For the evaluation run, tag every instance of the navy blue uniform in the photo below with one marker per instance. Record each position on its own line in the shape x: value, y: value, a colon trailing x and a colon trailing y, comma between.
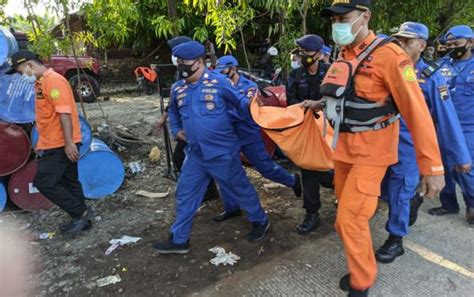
x: 201, y: 110
x: 401, y: 180
x: 252, y: 146
x: 460, y: 77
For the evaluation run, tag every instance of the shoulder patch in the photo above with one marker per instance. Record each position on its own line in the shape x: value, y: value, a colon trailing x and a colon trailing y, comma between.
x: 409, y: 73
x: 443, y: 92
x: 55, y: 94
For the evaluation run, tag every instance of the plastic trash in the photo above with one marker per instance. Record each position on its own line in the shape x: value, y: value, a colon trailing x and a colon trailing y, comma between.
x: 46, y: 235
x: 109, y: 280
x: 222, y: 257
x: 152, y: 195
x: 155, y: 154
x: 135, y: 167
x: 124, y: 240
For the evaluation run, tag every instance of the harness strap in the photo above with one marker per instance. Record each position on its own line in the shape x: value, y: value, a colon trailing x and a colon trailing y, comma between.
x: 377, y: 126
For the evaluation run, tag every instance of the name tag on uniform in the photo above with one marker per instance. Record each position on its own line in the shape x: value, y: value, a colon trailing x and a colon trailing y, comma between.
x: 210, y: 91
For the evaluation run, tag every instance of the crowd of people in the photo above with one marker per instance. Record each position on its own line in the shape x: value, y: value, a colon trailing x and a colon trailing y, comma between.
x: 403, y: 128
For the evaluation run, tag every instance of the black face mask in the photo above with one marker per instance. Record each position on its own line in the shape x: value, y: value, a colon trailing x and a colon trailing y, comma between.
x: 457, y: 52
x: 185, y: 71
x: 229, y: 74
x: 307, y: 61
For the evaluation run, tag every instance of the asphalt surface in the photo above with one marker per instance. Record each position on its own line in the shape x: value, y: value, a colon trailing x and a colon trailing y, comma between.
x: 438, y: 261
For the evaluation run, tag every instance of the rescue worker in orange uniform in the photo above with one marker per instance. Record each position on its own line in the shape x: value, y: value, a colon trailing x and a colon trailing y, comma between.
x: 59, y: 133
x: 363, y: 112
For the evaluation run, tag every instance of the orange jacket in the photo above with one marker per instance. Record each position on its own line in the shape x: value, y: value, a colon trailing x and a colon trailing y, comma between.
x: 388, y: 70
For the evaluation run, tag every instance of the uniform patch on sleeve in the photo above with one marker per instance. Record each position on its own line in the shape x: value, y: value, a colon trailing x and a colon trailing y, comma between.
x: 443, y: 92
x: 409, y: 73
x: 55, y: 94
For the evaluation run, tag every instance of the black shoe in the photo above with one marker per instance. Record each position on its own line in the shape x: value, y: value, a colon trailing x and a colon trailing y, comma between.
x: 390, y: 250
x: 310, y: 223
x: 470, y: 215
x: 258, y: 231
x: 344, y: 285
x: 297, y: 189
x: 224, y: 216
x: 415, y: 204
x: 168, y: 247
x: 440, y: 211
x: 80, y: 224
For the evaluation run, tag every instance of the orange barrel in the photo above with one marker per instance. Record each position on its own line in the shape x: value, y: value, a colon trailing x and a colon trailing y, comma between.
x: 22, y: 192
x: 15, y: 148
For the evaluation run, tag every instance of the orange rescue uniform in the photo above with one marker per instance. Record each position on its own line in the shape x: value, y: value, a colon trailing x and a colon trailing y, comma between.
x: 53, y: 97
x: 361, y: 159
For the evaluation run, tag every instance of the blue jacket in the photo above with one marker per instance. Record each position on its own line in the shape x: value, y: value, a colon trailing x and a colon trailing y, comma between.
x: 201, y: 110
x: 460, y: 77
x: 450, y: 137
x: 246, y: 128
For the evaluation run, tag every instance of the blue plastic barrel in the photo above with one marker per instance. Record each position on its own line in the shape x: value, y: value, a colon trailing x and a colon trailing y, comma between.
x: 101, y: 171
x: 17, y: 99
x: 3, y: 195
x: 86, y: 140
x: 8, y: 44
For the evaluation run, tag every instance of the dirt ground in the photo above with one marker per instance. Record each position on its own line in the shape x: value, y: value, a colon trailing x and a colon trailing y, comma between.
x: 71, y: 266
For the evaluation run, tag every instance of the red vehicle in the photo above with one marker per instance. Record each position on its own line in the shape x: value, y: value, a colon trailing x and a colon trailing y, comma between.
x: 66, y: 66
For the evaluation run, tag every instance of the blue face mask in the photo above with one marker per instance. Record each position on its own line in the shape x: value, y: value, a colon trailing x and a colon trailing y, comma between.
x: 31, y: 79
x: 342, y: 32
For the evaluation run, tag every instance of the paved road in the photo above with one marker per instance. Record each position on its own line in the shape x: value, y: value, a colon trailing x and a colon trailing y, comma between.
x: 438, y: 261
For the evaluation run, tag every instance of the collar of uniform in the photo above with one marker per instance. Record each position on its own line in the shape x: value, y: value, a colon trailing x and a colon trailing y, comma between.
x: 205, y: 75
x: 46, y: 73
x: 420, y: 65
x: 360, y: 47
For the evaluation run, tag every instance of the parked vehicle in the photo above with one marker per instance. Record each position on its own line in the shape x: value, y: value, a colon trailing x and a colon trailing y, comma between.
x: 88, y: 74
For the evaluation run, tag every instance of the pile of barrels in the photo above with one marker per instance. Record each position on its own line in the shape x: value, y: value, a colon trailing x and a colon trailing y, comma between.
x: 101, y: 171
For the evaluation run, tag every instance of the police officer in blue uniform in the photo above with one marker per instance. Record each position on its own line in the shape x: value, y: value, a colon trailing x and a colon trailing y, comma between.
x: 304, y: 84
x: 198, y: 114
x: 250, y: 138
x: 178, y: 154
x: 459, y: 72
x: 401, y: 180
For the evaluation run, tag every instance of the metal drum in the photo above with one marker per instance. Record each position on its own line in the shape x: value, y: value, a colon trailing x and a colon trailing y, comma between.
x: 8, y: 45
x: 15, y: 148
x: 101, y: 171
x: 3, y: 195
x: 17, y: 99
x: 22, y: 192
x: 86, y: 133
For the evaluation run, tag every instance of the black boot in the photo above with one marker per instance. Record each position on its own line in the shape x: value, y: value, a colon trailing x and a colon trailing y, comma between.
x: 297, y: 189
x: 168, y: 247
x: 224, y: 216
x: 258, y: 231
x: 390, y: 250
x: 310, y: 223
x: 470, y: 215
x: 344, y: 284
x: 440, y: 211
x: 415, y: 204
x: 79, y: 224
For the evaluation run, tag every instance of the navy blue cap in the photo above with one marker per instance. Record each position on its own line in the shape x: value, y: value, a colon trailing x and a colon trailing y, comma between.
x: 20, y: 57
x: 413, y: 30
x: 459, y: 32
x: 177, y: 41
x: 327, y: 50
x: 190, y: 50
x: 226, y: 61
x: 345, y: 6
x: 310, y: 42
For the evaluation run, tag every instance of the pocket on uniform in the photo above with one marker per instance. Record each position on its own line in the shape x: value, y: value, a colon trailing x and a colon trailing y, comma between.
x: 368, y: 187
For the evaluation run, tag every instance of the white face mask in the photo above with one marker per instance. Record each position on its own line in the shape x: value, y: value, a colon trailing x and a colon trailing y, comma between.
x: 295, y: 64
x: 174, y: 60
x: 342, y: 32
x: 31, y: 79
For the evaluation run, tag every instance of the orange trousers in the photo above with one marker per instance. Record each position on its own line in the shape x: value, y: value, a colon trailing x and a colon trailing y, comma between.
x: 357, y: 189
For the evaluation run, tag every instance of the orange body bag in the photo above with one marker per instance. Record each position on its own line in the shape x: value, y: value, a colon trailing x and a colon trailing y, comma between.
x: 298, y: 133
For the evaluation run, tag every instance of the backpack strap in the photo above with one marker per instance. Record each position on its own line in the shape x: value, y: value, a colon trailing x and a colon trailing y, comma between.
x: 432, y: 68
